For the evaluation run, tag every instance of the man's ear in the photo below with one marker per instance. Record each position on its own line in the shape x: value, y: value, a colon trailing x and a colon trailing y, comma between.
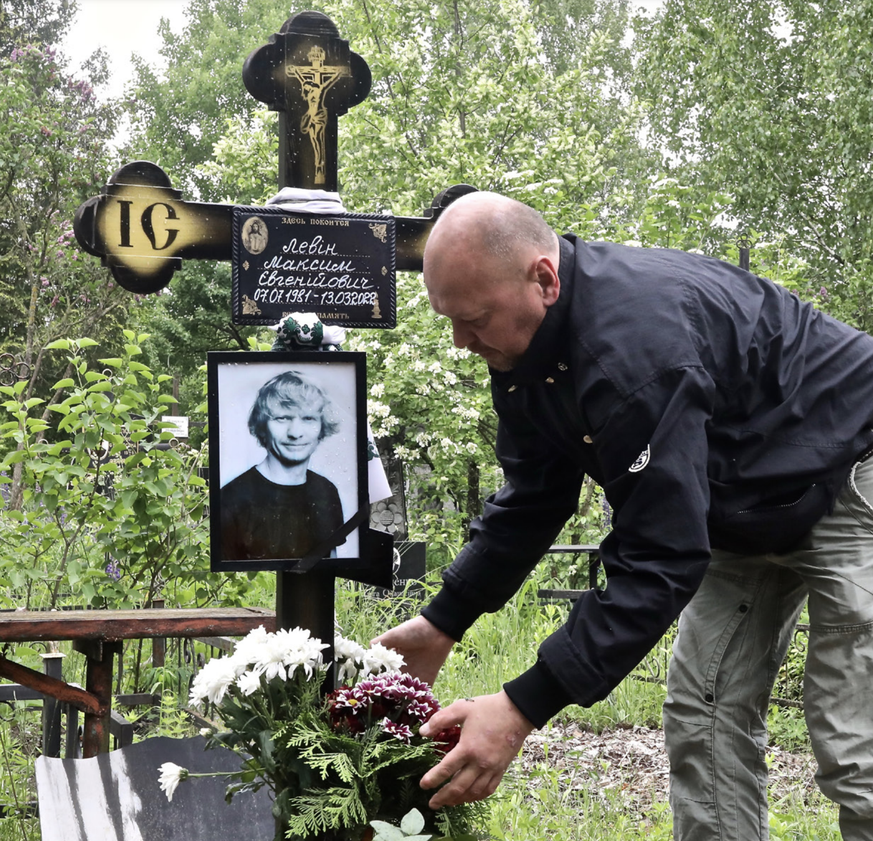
x: 546, y: 275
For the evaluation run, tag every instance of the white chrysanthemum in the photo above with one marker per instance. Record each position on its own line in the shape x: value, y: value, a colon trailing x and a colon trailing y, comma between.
x: 269, y: 659
x: 244, y: 650
x: 281, y: 653
x: 212, y: 680
x: 249, y: 683
x: 307, y: 656
x: 171, y: 776
x: 379, y: 659
x: 349, y: 657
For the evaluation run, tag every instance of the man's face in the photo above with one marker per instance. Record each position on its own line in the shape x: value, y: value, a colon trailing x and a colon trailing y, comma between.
x: 495, y: 319
x: 294, y: 433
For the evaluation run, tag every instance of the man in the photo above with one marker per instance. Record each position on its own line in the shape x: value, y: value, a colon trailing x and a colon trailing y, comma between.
x: 280, y: 509
x: 727, y: 423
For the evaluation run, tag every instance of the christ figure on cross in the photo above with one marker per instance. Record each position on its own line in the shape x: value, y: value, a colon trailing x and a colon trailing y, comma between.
x: 316, y: 80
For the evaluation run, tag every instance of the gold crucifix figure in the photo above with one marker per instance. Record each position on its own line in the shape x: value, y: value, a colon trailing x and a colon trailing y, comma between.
x: 316, y: 79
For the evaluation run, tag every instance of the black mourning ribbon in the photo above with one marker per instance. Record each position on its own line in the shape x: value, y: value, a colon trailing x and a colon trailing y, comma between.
x: 321, y: 551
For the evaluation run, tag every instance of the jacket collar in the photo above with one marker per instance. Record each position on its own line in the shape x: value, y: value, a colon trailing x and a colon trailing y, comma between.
x: 547, y: 349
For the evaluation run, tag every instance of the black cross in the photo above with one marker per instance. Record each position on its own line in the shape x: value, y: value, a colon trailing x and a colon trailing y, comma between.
x: 142, y: 229
x: 310, y: 76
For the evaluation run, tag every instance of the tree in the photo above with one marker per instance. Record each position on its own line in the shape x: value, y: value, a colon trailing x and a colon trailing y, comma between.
x: 42, y: 22
x: 53, y: 154
x: 179, y: 115
x: 771, y: 104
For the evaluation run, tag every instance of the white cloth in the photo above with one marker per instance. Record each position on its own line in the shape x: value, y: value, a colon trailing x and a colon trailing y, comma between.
x: 307, y: 201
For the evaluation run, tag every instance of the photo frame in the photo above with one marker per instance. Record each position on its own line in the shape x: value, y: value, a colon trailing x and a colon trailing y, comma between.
x: 288, y: 461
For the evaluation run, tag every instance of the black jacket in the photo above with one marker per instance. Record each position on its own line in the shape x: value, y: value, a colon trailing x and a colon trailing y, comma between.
x: 715, y: 409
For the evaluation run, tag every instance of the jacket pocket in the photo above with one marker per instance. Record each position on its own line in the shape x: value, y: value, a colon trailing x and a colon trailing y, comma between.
x: 774, y: 524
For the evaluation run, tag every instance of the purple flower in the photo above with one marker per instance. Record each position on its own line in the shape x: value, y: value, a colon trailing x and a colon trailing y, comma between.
x: 112, y: 570
x: 400, y: 698
x: 399, y: 731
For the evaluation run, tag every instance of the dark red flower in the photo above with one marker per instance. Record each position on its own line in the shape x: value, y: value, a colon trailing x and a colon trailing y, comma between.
x: 447, y: 740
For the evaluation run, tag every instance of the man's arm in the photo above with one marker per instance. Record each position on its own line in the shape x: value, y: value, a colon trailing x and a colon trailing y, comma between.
x: 655, y: 559
x: 517, y: 526
x: 424, y: 647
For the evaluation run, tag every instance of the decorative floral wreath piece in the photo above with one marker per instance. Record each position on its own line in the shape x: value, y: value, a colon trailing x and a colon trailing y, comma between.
x: 304, y: 331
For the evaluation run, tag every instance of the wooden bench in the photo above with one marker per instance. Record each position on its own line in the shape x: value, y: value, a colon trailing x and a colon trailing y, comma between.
x: 98, y: 634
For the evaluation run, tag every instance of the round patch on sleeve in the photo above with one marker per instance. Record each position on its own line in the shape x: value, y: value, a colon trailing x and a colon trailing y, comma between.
x: 641, y: 461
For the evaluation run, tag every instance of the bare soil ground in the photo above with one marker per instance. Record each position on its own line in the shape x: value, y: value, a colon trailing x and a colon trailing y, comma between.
x: 633, y: 761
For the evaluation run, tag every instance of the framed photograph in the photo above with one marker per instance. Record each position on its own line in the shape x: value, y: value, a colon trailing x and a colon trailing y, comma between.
x: 287, y: 460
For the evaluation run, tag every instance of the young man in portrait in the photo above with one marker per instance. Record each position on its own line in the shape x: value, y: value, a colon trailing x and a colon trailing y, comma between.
x: 279, y: 508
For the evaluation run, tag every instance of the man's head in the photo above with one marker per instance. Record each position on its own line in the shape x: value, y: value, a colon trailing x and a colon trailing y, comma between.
x: 491, y: 267
x: 290, y: 416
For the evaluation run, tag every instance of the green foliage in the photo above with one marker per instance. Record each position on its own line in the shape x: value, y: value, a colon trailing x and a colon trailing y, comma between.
x: 34, y: 22
x: 468, y: 97
x: 361, y: 779
x: 548, y: 802
x: 410, y: 829
x: 53, y: 152
x: 791, y: 819
x: 178, y: 116
x: 770, y: 103
x: 111, y: 514
x: 19, y: 746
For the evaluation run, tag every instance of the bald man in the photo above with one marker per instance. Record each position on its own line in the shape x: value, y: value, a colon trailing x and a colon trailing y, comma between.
x: 728, y: 424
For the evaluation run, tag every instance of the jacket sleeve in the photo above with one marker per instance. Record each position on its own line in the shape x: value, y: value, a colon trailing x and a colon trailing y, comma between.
x: 654, y: 453
x: 518, y: 525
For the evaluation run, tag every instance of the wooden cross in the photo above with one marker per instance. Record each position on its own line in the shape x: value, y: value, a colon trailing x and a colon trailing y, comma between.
x: 142, y: 229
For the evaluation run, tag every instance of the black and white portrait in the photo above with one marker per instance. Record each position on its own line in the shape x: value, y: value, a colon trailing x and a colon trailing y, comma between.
x: 289, y: 464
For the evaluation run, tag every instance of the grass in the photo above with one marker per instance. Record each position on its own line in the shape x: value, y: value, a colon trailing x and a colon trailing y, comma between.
x: 539, y: 803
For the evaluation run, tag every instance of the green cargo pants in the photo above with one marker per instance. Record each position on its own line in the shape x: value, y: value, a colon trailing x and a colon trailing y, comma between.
x: 732, y: 638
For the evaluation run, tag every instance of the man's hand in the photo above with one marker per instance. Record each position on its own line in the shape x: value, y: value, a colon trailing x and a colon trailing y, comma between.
x: 492, y: 733
x: 422, y: 644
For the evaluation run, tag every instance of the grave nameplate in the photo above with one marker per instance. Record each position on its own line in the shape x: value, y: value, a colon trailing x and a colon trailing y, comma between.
x: 340, y: 267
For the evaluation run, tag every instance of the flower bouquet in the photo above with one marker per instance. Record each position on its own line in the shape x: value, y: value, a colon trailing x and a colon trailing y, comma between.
x: 341, y: 765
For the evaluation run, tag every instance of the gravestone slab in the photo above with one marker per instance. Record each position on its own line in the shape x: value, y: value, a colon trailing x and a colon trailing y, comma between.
x: 115, y: 796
